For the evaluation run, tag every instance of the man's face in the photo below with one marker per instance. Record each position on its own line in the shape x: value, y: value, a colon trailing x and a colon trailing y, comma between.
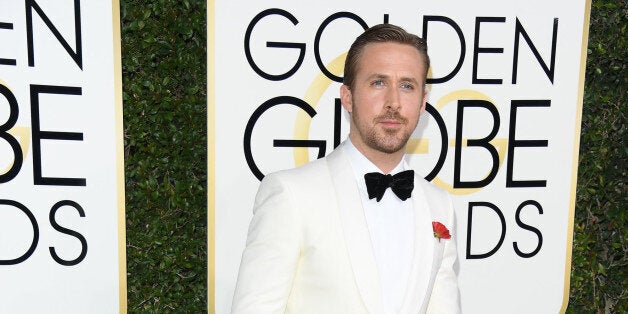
x: 387, y: 98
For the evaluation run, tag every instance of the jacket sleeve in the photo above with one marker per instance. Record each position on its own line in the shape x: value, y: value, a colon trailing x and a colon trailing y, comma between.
x: 271, y: 254
x: 445, y: 296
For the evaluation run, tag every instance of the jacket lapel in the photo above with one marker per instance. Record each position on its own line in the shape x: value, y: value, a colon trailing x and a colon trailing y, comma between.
x: 355, y: 229
x: 423, y: 265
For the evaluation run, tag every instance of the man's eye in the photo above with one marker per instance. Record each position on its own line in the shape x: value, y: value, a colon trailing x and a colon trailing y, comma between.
x: 377, y: 83
x: 407, y: 86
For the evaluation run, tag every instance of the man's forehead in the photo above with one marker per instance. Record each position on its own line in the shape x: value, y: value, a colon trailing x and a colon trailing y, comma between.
x: 383, y: 49
x: 380, y: 49
x: 384, y: 76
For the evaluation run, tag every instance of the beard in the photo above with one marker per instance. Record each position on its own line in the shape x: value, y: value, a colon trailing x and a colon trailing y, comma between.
x: 383, y: 139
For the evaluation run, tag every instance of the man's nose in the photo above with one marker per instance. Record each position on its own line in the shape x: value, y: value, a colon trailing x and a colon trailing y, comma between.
x: 393, y: 99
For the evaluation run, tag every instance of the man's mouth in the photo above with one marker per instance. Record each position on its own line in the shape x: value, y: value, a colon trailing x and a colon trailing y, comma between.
x: 391, y: 119
x: 390, y: 122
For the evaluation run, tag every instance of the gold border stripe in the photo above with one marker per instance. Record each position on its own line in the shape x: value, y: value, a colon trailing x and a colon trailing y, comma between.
x: 576, y: 148
x: 211, y: 161
x: 117, y: 87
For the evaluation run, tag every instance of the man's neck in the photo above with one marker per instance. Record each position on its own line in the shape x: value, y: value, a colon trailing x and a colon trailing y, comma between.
x: 386, y: 162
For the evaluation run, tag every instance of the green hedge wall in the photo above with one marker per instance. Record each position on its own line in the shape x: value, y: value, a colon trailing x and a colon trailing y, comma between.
x: 164, y: 77
x: 164, y: 90
x: 598, y: 277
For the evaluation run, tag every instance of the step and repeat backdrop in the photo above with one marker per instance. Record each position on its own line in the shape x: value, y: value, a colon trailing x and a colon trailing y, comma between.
x: 62, y: 236
x: 500, y: 133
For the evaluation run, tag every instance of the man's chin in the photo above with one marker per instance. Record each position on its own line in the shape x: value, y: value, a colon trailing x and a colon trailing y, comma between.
x: 389, y: 148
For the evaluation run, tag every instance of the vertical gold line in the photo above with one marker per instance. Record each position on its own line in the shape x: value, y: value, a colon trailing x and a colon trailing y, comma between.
x: 211, y: 173
x: 117, y: 87
x: 576, y: 148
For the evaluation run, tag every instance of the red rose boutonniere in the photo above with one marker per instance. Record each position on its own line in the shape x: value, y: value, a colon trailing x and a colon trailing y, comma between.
x: 440, y: 231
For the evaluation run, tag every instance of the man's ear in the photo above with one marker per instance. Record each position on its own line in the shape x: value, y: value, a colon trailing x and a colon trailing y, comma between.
x: 346, y: 98
x: 424, y: 101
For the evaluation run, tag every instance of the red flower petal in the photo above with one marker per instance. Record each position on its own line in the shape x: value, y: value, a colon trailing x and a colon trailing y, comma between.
x: 440, y: 231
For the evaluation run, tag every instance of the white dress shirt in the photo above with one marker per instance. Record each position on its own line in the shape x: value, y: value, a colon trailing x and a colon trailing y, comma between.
x: 391, y: 226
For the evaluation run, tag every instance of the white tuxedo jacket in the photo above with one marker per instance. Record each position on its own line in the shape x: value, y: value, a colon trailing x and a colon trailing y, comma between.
x: 308, y: 248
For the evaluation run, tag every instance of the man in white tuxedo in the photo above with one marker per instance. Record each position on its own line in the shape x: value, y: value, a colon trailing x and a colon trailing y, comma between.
x: 322, y: 240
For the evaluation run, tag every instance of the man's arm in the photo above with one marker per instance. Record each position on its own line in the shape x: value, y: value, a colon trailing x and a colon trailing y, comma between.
x: 272, y: 249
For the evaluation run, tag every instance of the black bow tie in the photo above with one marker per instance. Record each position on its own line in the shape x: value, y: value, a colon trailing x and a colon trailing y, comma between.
x: 401, y: 184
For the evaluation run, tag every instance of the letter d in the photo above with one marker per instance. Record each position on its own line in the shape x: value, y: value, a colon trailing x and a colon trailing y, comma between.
x: 470, y: 223
x: 31, y: 249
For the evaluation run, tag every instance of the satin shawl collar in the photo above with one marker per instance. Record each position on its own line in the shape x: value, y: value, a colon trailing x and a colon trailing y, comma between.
x: 424, y: 265
x: 355, y: 230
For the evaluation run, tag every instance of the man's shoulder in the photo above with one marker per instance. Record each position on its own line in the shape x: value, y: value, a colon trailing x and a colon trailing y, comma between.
x: 310, y: 169
x: 316, y: 168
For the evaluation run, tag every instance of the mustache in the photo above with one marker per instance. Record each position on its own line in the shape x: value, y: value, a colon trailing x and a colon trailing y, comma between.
x: 391, y: 115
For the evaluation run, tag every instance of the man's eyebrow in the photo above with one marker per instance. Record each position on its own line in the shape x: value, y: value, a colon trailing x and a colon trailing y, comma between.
x: 405, y: 79
x: 378, y: 76
x: 410, y: 80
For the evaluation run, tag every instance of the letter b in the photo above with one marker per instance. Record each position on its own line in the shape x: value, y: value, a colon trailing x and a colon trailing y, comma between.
x: 4, y: 128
